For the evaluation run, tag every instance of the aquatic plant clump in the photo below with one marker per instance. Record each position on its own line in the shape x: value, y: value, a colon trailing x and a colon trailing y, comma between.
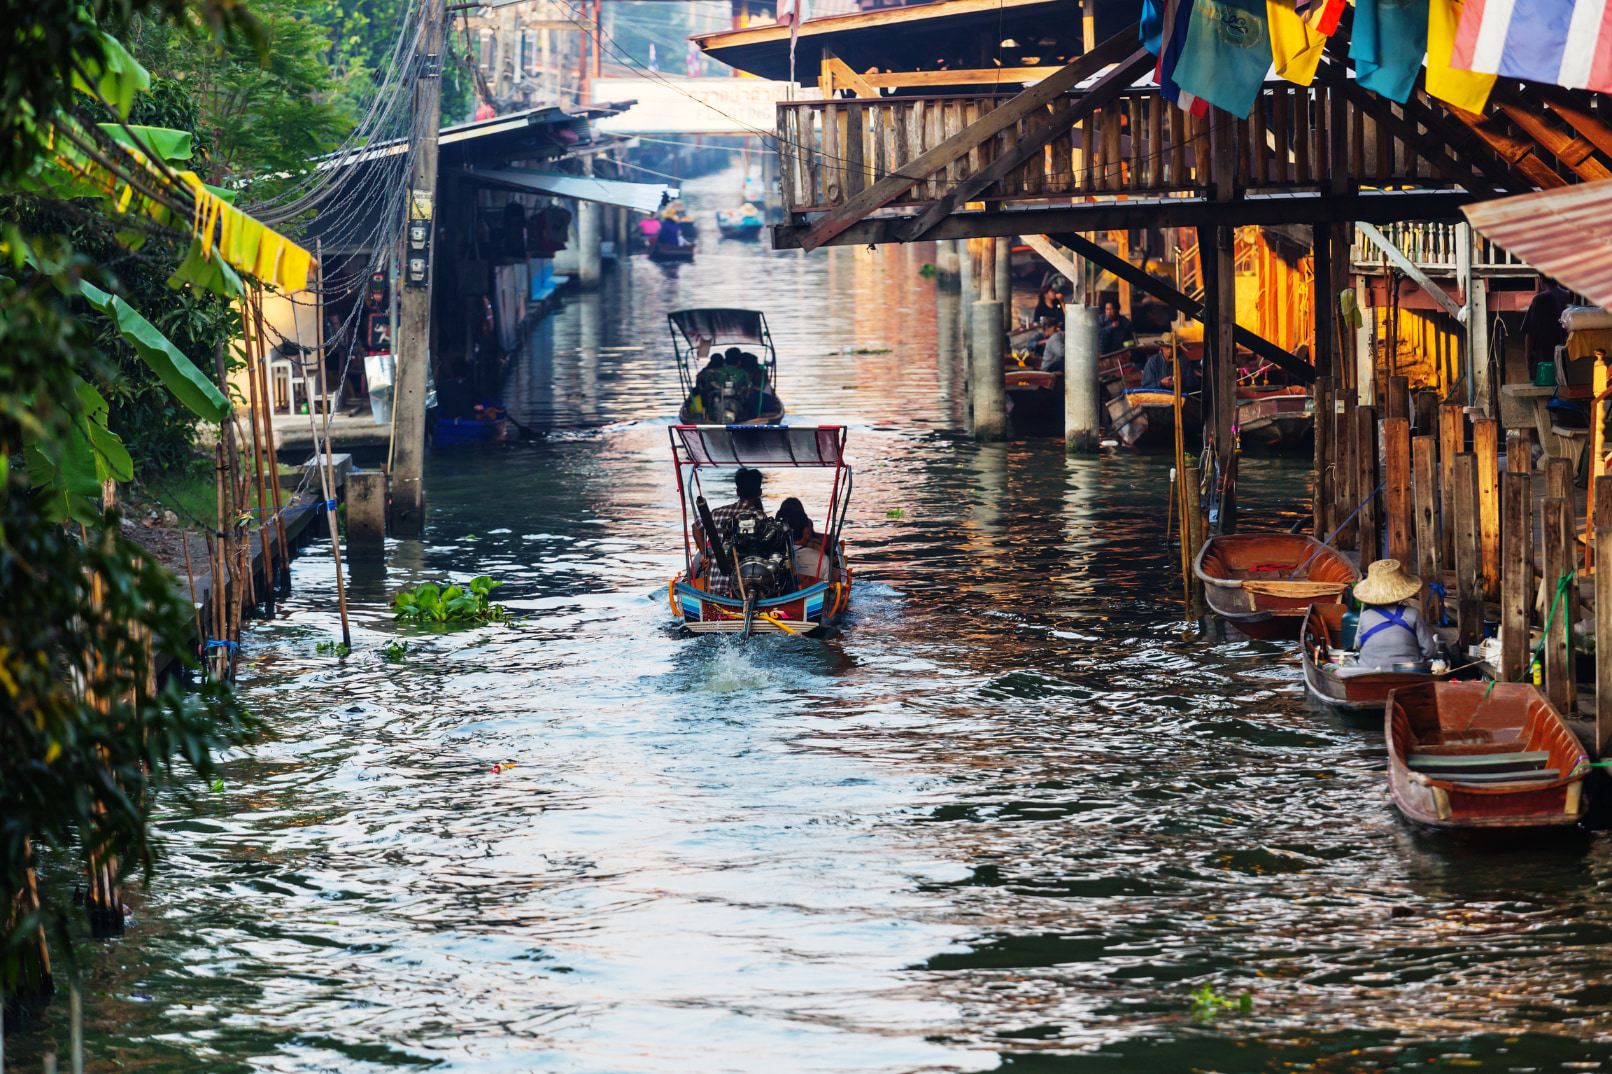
x: 431, y: 603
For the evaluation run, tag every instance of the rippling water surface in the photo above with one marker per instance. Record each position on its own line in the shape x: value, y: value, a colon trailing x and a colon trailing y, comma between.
x: 1012, y: 817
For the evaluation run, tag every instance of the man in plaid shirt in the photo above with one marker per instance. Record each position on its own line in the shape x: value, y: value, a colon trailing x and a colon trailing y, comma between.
x: 747, y: 484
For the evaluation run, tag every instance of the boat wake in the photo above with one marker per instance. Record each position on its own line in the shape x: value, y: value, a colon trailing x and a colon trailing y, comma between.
x: 734, y: 668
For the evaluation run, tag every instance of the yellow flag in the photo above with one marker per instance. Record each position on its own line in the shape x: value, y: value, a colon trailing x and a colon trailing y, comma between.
x: 1464, y: 89
x: 1295, y: 45
x: 293, y: 275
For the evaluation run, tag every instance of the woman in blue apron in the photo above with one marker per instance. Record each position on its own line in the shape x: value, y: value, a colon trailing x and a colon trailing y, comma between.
x: 1391, y: 632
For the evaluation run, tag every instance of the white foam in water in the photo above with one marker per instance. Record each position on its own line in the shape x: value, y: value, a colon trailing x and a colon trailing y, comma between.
x: 733, y: 669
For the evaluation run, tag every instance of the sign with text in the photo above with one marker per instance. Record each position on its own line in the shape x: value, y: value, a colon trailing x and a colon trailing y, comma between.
x: 671, y: 104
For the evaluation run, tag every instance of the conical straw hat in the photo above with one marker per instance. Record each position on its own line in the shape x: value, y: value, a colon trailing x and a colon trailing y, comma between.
x: 1387, y: 583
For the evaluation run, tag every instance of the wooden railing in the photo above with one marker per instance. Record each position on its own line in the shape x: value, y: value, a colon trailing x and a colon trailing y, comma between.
x: 1140, y: 144
x: 1434, y: 248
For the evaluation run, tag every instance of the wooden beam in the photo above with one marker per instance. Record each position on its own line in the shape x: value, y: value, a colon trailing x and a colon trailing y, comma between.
x: 983, y: 76
x: 1377, y: 108
x: 1585, y: 122
x: 1405, y: 265
x: 1180, y: 302
x: 1577, y: 153
x: 838, y: 75
x: 1102, y: 92
x: 1163, y: 212
x: 1055, y: 257
x: 1520, y: 153
x: 987, y: 126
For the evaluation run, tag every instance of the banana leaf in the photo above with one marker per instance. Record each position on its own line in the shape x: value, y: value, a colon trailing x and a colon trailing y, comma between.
x: 188, y: 384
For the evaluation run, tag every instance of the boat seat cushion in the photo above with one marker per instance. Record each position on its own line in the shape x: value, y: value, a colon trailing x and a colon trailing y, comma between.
x: 1474, y: 763
x: 1489, y: 779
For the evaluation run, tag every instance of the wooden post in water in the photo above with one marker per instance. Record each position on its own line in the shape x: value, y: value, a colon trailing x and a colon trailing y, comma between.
x: 1424, y: 472
x: 1398, y: 398
x: 1322, y: 494
x: 1192, y: 504
x: 1559, y: 480
x: 1397, y: 496
x: 1468, y: 561
x: 1517, y: 576
x: 1558, y: 611
x: 1451, y: 442
x: 1365, y: 457
x: 1519, y: 452
x: 1486, y: 446
x: 1426, y: 413
x: 1603, y: 618
x: 1343, y: 469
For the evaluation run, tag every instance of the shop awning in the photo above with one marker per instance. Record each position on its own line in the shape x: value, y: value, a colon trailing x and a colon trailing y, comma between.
x: 643, y: 197
x: 1565, y: 233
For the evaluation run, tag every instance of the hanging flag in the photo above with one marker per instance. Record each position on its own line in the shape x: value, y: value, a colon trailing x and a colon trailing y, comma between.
x: 1387, y: 44
x: 792, y: 13
x: 1465, y: 89
x: 1562, y: 42
x: 1323, y: 16
x: 1152, y: 25
x: 1173, y: 36
x: 1295, y: 45
x: 1226, y: 54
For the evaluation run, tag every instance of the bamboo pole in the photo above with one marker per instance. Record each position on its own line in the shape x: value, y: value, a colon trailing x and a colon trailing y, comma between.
x: 1181, y: 472
x: 1517, y: 577
x: 335, y: 535
x: 254, y: 361
x: 268, y: 426
x: 326, y: 474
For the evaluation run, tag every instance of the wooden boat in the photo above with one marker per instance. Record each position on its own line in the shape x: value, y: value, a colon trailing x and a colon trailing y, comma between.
x: 774, y: 587
x: 1034, y: 401
x: 695, y: 335
x: 743, y: 226
x: 1483, y: 757
x: 1328, y: 679
x: 1146, y: 418
x: 663, y: 252
x: 1275, y: 419
x: 1262, y: 583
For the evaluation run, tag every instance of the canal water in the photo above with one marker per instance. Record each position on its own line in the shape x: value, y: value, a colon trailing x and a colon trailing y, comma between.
x: 1019, y: 814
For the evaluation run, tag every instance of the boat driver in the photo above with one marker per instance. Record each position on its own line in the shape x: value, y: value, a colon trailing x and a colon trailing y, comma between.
x: 1391, y: 632
x: 747, y: 485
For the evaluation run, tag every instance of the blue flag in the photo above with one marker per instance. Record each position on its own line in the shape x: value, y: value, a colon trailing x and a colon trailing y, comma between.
x: 1387, y: 45
x: 1226, y: 54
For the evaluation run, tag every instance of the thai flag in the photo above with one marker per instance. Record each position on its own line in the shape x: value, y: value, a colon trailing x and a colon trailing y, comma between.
x: 1177, y: 16
x: 1561, y: 42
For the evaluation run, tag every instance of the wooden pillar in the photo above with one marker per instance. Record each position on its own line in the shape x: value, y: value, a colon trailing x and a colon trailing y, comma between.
x: 1603, y: 619
x: 366, y: 514
x: 1519, y: 452
x: 1468, y: 565
x: 1486, y: 446
x: 1323, y: 490
x: 1323, y: 303
x: 1216, y: 253
x: 1559, y: 614
x: 1397, y: 501
x: 1398, y: 398
x: 1343, y: 469
x: 1365, y: 457
x: 1424, y: 472
x: 1597, y: 462
x: 1452, y: 441
x: 1517, y: 581
x: 1559, y: 479
x: 1425, y: 405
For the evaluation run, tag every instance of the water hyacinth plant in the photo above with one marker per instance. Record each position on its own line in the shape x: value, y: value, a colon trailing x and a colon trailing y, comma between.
x: 431, y: 603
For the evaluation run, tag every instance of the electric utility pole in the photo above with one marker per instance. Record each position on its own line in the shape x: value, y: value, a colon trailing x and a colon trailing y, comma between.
x: 414, y: 330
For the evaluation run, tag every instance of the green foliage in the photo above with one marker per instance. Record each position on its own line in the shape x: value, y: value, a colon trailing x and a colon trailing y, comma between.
x: 265, y: 107
x: 1206, y: 1002
x: 396, y: 650
x: 434, y: 604
x: 335, y: 647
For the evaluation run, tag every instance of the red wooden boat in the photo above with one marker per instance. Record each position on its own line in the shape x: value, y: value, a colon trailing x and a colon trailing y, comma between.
x: 1483, y: 757
x: 1275, y: 419
x: 1328, y: 677
x: 1263, y: 582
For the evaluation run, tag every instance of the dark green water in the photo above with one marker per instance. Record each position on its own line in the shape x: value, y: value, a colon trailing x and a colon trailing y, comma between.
x: 1011, y: 817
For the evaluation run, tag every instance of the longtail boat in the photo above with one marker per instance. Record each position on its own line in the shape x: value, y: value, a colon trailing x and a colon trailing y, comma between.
x: 696, y: 334
x: 1488, y: 757
x: 767, y: 584
x: 1262, y: 583
x: 1143, y: 417
x: 1275, y: 419
x: 1329, y: 677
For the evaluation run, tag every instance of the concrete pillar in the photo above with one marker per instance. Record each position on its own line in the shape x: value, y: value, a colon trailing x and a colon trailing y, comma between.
x: 1080, y: 411
x: 588, y: 243
x: 946, y: 266
x: 949, y: 351
x: 366, y: 514
x: 1004, y: 280
x: 987, y: 390
x: 965, y: 285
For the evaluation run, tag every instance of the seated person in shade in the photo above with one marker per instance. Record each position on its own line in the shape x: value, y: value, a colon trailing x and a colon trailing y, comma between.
x: 1391, y: 632
x: 1159, y: 374
x: 810, y: 563
x: 1052, y: 349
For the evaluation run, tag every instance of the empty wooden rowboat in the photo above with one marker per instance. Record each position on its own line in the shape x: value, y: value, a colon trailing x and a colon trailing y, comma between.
x: 1263, y: 583
x: 1328, y: 677
x: 1483, y: 757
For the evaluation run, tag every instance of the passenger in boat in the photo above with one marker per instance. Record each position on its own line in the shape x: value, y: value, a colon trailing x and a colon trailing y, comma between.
x: 1050, y: 304
x: 747, y: 486
x: 810, y: 563
x: 1159, y: 375
x: 1391, y: 632
x: 1113, y: 329
x: 1052, y: 349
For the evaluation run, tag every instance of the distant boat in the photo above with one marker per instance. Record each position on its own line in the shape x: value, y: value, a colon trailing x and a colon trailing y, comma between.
x: 1483, y: 759
x: 743, y: 225
x: 718, y: 329
x: 1275, y: 419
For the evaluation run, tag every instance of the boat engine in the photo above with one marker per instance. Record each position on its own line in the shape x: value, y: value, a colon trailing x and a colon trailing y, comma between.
x: 761, y: 547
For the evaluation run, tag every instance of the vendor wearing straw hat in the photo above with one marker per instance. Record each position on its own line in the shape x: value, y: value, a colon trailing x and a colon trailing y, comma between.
x: 1390, y: 632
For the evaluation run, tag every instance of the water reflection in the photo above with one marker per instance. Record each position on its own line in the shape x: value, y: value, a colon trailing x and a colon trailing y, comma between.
x: 1009, y: 818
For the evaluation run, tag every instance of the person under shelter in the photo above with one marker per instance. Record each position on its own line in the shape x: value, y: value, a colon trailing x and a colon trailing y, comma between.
x: 811, y: 565
x: 1391, y: 632
x: 747, y: 487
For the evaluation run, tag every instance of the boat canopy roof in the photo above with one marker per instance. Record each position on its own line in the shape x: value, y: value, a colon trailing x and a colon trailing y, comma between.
x: 763, y: 445
x: 725, y: 325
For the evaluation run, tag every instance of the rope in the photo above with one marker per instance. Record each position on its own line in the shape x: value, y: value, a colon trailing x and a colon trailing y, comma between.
x: 1334, y: 533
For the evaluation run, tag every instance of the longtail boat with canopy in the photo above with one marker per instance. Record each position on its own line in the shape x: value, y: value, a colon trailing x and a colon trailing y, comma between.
x: 767, y: 582
x: 1331, y: 676
x: 715, y: 397
x: 1262, y: 583
x: 1489, y: 759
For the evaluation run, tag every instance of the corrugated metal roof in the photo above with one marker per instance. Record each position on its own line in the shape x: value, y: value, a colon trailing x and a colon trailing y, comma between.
x: 1564, y: 233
